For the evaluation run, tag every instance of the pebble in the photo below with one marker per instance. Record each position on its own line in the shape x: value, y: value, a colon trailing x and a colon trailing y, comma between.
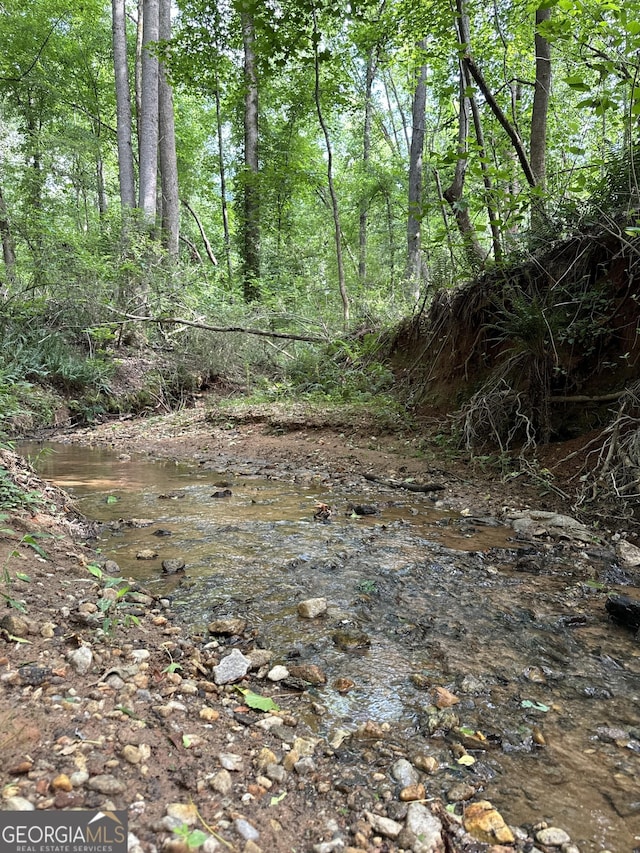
x: 62, y: 783
x: 18, y: 804
x: 233, y: 626
x: 278, y: 673
x: 423, y: 829
x: 231, y: 761
x: 309, y: 672
x: 146, y: 554
x: 106, y: 784
x: 311, y: 608
x: 246, y: 830
x: 403, y: 772
x: 426, y: 763
x: 186, y: 813
x: 486, y: 824
x: 81, y: 659
x: 413, y: 792
x: 221, y: 782
x: 552, y: 836
x: 131, y: 754
x: 384, y: 825
x: 231, y: 668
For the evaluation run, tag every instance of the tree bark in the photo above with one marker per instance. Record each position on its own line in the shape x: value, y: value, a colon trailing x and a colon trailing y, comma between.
x: 149, y: 113
x: 414, y: 219
x: 538, y: 138
x: 167, y: 147
x: 223, y: 186
x: 332, y: 190
x: 123, y: 105
x: 454, y: 194
x: 203, y: 234
x: 251, y: 190
x: 8, y: 249
x: 366, y: 156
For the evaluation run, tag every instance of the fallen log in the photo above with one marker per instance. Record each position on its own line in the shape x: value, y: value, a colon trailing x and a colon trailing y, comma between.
x: 404, y: 484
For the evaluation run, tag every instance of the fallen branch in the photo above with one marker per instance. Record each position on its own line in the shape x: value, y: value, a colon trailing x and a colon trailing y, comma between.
x: 179, y: 321
x: 403, y: 484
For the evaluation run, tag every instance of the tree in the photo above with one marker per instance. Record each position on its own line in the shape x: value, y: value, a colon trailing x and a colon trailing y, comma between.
x: 123, y: 105
x: 415, y: 268
x: 148, y: 124
x: 250, y: 178
x: 167, y: 145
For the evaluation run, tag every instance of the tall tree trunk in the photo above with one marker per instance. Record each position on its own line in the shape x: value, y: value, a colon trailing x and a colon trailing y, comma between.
x: 454, y: 194
x: 366, y: 156
x: 223, y: 185
x: 8, y: 249
x: 251, y: 189
x: 332, y: 190
x: 538, y: 139
x: 149, y: 113
x: 167, y: 145
x: 138, y: 69
x: 123, y: 105
x: 414, y: 218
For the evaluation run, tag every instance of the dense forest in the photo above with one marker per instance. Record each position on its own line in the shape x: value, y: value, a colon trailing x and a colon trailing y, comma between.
x: 316, y: 172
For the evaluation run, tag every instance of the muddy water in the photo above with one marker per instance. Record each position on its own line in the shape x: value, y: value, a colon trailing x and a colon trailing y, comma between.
x: 417, y: 595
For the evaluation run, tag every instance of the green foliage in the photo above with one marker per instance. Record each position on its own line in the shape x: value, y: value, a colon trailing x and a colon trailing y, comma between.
x: 112, y: 608
x: 6, y: 580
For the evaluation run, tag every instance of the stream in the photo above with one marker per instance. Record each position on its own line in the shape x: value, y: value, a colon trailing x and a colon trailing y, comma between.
x: 418, y: 597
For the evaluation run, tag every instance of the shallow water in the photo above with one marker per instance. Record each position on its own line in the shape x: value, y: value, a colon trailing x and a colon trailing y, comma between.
x: 523, y: 640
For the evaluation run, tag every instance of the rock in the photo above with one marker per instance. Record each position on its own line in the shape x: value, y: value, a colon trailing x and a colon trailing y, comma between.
x: 384, y: 825
x: 312, y: 608
x: 146, y: 554
x: 486, y: 824
x: 443, y: 720
x: 222, y: 493
x: 308, y: 672
x: 61, y: 783
x: 305, y: 766
x: 426, y: 763
x: 403, y: 772
x: 625, y: 610
x: 233, y: 626
x: 106, y: 784
x: 221, y: 782
x: 259, y: 658
x: 412, y: 792
x: 81, y: 659
x: 231, y: 761
x: 350, y: 640
x: 276, y: 773
x: 131, y: 754
x: 79, y: 778
x: 370, y: 729
x: 245, y: 829
x: 541, y: 523
x: 186, y: 813
x: 171, y: 567
x: 552, y: 836
x: 14, y: 625
x: 110, y: 567
x: 628, y: 554
x: 344, y: 685
x: 422, y: 830
x: 231, y: 668
x: 329, y: 846
x: 443, y: 698
x: 210, y: 715
x: 278, y: 673
x: 17, y: 804
x: 460, y: 792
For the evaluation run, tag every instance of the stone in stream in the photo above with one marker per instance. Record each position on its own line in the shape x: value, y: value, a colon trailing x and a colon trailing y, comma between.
x: 146, y: 554
x: 552, y: 836
x: 403, y: 772
x: 350, y: 640
x: 486, y: 824
x: 625, y: 610
x: 232, y: 668
x: 170, y: 567
x: 232, y: 626
x: 312, y: 608
x: 422, y: 831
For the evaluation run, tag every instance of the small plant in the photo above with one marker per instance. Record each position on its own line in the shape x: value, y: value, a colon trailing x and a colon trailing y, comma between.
x: 109, y: 606
x: 192, y: 837
x: 5, y: 577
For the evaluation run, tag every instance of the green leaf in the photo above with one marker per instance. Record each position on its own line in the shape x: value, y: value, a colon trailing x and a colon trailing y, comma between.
x: 94, y: 570
x: 196, y: 838
x: 112, y: 499
x: 257, y: 702
x: 23, y: 577
x: 275, y: 800
x: 535, y: 706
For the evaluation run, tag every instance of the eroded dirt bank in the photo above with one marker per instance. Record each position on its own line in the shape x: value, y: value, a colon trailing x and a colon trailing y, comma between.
x: 140, y: 718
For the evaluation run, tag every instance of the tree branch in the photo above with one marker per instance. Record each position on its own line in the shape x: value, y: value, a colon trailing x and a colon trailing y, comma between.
x: 178, y: 321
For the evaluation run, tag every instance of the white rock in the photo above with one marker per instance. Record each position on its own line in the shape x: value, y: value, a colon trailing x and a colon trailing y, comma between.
x: 81, y: 659
x: 231, y: 668
x: 231, y: 761
x: 277, y: 673
x: 405, y: 773
x: 553, y: 836
x: 17, y: 804
x: 424, y: 829
x: 628, y: 554
x: 384, y: 825
x: 312, y: 608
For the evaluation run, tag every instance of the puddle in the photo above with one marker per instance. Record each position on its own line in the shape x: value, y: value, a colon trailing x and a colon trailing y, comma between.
x: 524, y: 642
